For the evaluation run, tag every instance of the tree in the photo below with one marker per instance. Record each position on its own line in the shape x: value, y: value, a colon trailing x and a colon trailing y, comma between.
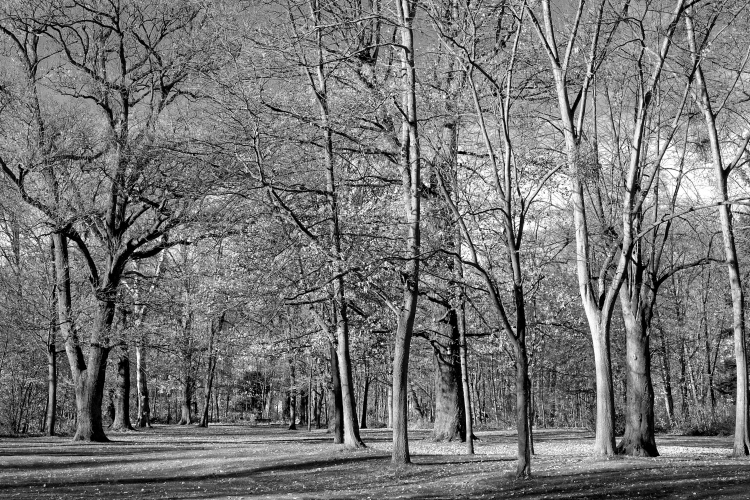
x: 104, y: 195
x: 722, y: 170
x: 599, y: 304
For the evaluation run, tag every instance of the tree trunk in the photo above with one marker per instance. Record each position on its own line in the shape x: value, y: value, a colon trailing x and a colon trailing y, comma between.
x: 121, y: 421
x: 468, y: 425
x: 667, y: 377
x: 51, y: 416
x: 389, y: 397
x: 292, y: 396
x: 337, y: 422
x: 87, y: 374
x: 523, y: 468
x: 310, y: 408
x: 639, y: 410
x: 365, y: 391
x: 604, y: 443
x: 144, y: 407
x: 411, y: 185
x: 186, y: 398
x: 449, y: 415
x: 216, y: 326
x: 741, y: 430
x: 351, y: 425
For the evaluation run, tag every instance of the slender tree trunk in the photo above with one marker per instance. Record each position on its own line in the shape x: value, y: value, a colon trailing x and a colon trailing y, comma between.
x: 351, y: 425
x: 523, y: 468
x: 144, y: 407
x: 310, y: 396
x: 411, y: 183
x: 51, y: 416
x: 667, y: 377
x: 469, y: 425
x: 292, y: 396
x: 741, y: 430
x: 684, y: 404
x: 337, y: 423
x: 216, y: 326
x: 365, y: 391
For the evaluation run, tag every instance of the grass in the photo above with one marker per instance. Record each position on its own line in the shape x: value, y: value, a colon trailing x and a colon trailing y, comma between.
x: 235, y: 461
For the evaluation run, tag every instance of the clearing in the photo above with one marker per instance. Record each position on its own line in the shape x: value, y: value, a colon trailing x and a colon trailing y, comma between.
x: 233, y: 461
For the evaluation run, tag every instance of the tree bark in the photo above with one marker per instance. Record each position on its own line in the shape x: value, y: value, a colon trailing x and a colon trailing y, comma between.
x: 365, y: 390
x: 523, y: 466
x: 144, y: 406
x: 721, y: 174
x: 449, y: 411
x: 351, y: 425
x: 468, y: 425
x: 88, y: 374
x: 186, y: 399
x: 217, y: 324
x: 292, y: 396
x: 337, y: 422
x: 639, y: 410
x: 411, y: 184
x: 121, y: 421
x: 51, y: 416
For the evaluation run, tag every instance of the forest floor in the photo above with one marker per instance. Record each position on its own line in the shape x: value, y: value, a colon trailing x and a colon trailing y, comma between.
x: 232, y: 461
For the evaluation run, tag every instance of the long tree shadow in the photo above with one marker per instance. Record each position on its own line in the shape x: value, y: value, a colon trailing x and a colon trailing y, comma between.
x: 699, y: 481
x: 303, y: 466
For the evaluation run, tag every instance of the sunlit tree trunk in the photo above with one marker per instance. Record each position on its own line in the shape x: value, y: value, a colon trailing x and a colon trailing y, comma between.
x: 411, y: 184
x: 721, y: 175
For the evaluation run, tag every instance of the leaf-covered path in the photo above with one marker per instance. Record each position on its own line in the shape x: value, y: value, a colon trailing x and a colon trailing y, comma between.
x: 270, y: 462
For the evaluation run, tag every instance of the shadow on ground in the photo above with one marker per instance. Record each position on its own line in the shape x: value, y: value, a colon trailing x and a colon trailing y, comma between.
x: 271, y: 462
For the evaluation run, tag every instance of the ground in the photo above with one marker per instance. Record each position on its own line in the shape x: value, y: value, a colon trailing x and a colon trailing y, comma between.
x: 226, y: 461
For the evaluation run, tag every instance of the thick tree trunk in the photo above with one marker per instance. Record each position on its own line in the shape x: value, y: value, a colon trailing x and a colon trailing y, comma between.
x: 186, y: 398
x: 121, y: 421
x: 89, y: 390
x: 639, y: 410
x: 87, y: 374
x: 449, y: 411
